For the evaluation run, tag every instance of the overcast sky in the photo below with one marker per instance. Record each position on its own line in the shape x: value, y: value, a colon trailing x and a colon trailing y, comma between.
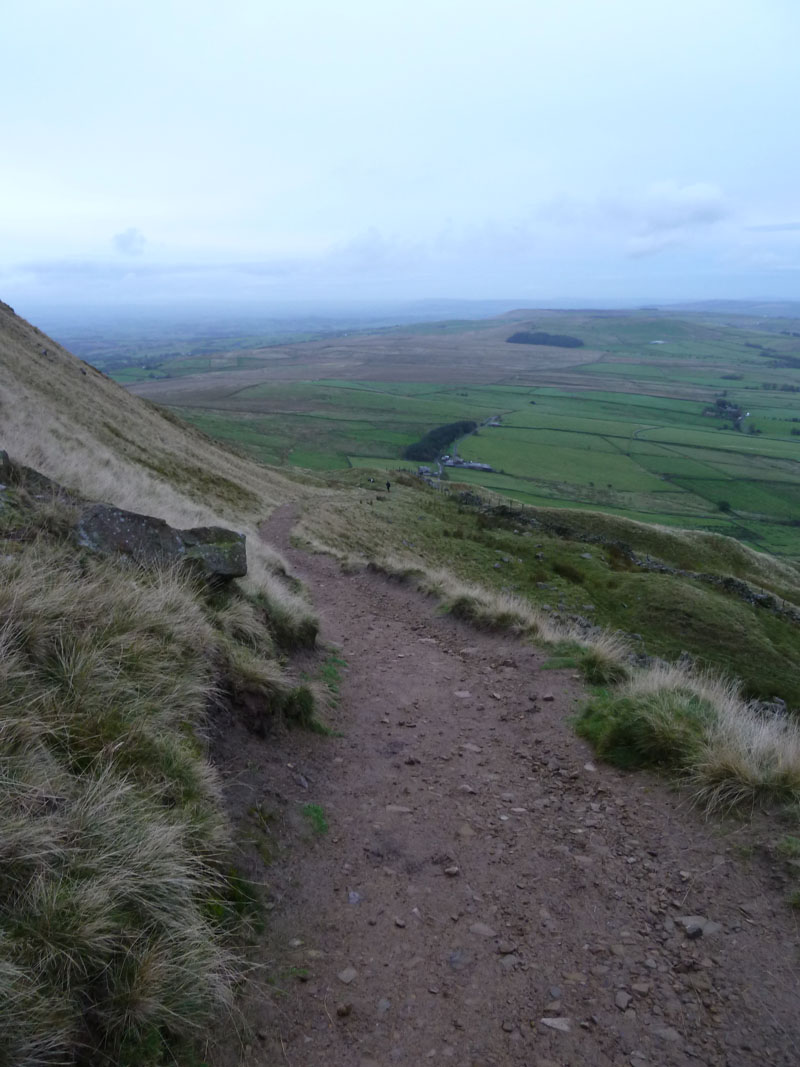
x: 336, y: 149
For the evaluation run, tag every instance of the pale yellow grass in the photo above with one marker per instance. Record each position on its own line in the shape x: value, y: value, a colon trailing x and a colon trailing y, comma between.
x: 744, y: 754
x: 84, y: 431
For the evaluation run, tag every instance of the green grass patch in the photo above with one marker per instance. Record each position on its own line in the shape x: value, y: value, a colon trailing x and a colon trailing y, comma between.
x: 661, y: 729
x: 316, y: 817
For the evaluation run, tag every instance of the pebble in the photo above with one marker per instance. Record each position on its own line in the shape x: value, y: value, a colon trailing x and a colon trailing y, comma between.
x: 399, y: 922
x: 459, y: 959
x: 698, y: 926
x: 451, y: 872
x: 343, y: 1010
x: 482, y: 930
x: 348, y: 975
x: 622, y: 1000
x: 560, y: 1023
x: 548, y: 697
x: 667, y: 1033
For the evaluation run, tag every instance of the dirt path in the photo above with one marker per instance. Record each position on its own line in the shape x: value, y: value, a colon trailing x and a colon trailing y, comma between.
x: 486, y: 894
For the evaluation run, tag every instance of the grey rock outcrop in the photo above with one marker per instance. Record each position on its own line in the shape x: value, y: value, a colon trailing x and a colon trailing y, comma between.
x: 216, y: 551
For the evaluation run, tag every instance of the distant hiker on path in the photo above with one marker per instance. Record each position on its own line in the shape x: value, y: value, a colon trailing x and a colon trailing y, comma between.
x: 388, y: 487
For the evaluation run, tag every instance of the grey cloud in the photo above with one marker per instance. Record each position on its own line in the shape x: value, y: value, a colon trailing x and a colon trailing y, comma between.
x: 644, y: 222
x: 669, y: 206
x: 130, y: 242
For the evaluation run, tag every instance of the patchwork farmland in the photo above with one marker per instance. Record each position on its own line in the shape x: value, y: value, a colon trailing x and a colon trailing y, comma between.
x: 690, y: 421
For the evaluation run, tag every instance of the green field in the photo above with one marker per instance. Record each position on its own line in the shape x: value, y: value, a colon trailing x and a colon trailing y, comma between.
x: 623, y: 426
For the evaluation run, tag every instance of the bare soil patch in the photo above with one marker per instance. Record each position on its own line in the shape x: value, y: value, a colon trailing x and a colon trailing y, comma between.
x: 486, y: 894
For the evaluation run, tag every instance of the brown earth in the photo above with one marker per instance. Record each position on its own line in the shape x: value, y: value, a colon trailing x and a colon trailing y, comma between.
x: 486, y: 894
x: 478, y: 356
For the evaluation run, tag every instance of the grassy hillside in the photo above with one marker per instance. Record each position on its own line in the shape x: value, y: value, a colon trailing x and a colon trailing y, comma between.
x: 118, y: 899
x: 118, y: 903
x: 574, y: 565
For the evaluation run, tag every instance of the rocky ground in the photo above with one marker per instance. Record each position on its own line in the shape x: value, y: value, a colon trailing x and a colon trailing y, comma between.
x: 486, y: 893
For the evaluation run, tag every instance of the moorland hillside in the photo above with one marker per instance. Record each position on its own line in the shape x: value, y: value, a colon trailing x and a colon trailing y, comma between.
x: 120, y: 907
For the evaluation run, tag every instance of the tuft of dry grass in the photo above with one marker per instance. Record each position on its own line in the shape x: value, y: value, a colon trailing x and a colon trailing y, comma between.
x: 111, y: 834
x: 698, y: 725
x: 112, y: 839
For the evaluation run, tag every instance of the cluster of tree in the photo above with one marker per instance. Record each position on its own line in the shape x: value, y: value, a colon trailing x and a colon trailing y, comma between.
x: 437, y: 440
x: 785, y: 388
x: 539, y: 337
x: 727, y: 409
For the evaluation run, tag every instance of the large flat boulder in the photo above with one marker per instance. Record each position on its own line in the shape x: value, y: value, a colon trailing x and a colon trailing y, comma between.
x: 216, y: 551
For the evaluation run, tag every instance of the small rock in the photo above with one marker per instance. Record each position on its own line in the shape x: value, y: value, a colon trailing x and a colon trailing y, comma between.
x: 354, y: 897
x: 398, y: 809
x: 667, y: 1033
x: 548, y: 697
x: 343, y: 1010
x: 698, y: 926
x: 508, y: 1027
x: 509, y: 962
x: 561, y: 1023
x: 451, y: 872
x: 462, y: 694
x: 384, y: 1005
x: 622, y: 1000
x: 469, y: 747
x: 482, y: 930
x: 399, y: 922
x: 348, y: 975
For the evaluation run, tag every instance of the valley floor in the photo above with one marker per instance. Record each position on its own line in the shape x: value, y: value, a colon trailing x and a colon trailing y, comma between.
x: 486, y: 894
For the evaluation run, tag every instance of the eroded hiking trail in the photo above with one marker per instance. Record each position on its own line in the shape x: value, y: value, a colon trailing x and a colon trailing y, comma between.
x: 486, y: 894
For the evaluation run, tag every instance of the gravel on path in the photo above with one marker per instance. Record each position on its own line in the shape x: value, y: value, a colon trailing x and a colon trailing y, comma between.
x: 486, y: 893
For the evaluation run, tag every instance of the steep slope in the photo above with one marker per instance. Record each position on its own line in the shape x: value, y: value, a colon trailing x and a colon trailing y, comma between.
x: 63, y: 417
x: 118, y: 901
